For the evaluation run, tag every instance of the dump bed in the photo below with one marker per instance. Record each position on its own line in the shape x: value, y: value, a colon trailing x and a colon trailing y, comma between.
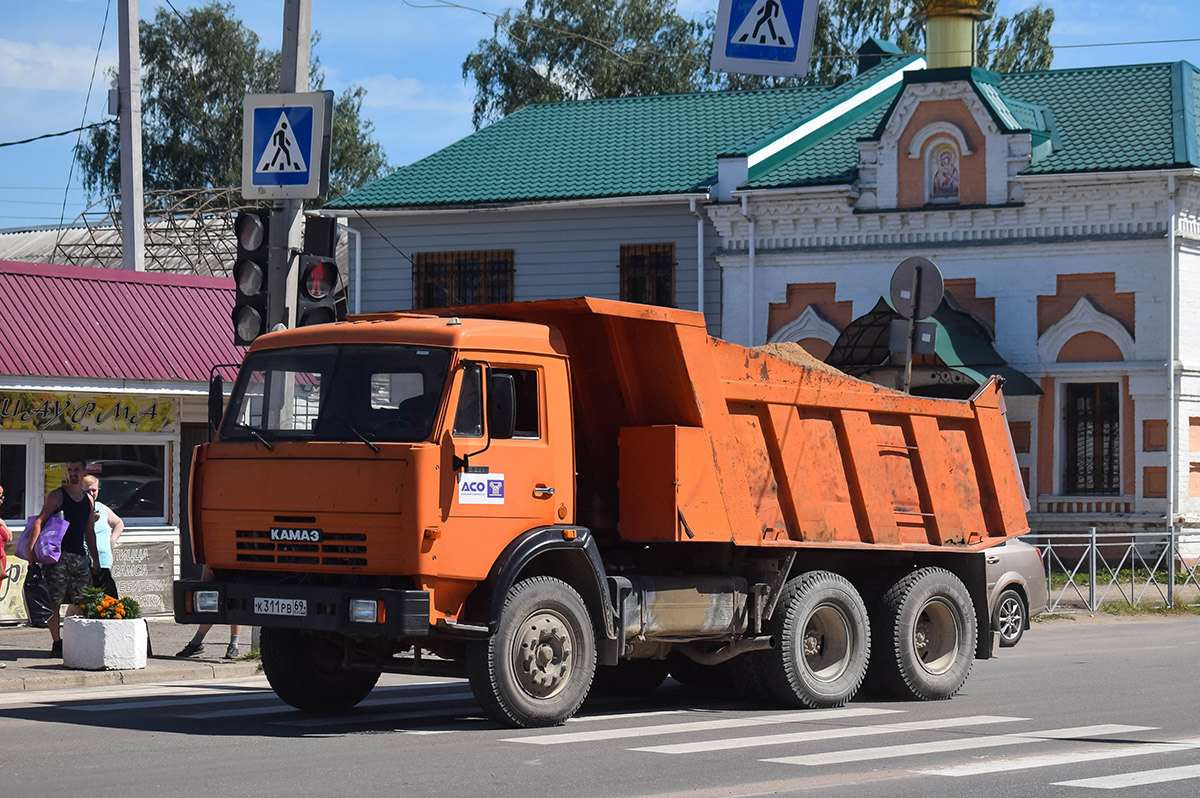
x: 684, y: 437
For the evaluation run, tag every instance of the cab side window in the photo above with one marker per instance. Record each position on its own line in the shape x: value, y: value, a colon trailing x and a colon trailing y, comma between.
x: 468, y: 418
x: 528, y: 416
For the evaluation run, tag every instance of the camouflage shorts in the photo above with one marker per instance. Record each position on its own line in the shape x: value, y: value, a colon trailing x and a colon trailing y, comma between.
x: 68, y: 578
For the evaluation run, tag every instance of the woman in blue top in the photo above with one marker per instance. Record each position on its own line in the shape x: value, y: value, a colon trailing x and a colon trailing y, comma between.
x: 108, y: 529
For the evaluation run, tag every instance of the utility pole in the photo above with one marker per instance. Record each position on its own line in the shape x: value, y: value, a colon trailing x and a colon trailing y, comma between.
x: 129, y: 105
x: 286, y: 216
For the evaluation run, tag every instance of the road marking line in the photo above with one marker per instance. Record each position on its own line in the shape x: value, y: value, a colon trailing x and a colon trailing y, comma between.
x: 441, y: 698
x: 967, y: 743
x: 1135, y: 779
x: 57, y: 697
x: 629, y: 715
x: 450, y: 714
x: 703, y: 725
x: 1066, y: 758
x: 825, y: 734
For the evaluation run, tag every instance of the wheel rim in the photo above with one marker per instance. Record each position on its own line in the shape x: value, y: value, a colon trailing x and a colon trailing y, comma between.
x: 542, y: 653
x: 827, y: 643
x: 935, y: 637
x: 1010, y: 616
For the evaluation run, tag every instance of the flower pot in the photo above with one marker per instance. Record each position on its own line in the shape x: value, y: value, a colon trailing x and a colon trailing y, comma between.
x: 100, y: 645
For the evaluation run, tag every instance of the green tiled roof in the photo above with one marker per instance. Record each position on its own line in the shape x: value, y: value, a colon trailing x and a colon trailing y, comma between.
x: 1107, y: 118
x: 1097, y: 119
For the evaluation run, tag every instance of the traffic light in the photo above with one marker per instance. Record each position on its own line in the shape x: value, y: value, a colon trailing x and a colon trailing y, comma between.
x: 250, y: 273
x: 316, y: 290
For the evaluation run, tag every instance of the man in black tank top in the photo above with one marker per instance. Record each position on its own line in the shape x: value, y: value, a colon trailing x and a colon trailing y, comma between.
x: 80, y: 558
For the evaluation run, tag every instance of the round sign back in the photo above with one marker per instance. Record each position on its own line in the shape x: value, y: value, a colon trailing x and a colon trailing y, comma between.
x: 917, y: 288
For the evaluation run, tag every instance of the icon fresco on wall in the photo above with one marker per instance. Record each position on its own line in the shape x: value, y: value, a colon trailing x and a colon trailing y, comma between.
x: 945, y: 174
x: 55, y: 412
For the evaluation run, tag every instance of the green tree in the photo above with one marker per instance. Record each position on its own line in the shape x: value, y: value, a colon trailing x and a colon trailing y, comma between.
x: 195, y: 70
x: 550, y: 50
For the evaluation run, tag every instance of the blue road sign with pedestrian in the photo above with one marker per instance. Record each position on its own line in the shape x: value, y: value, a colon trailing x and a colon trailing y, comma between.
x: 285, y: 145
x: 282, y: 146
x: 764, y: 37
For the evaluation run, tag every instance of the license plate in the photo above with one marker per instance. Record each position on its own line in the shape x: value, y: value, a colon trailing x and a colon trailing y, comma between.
x: 275, y: 606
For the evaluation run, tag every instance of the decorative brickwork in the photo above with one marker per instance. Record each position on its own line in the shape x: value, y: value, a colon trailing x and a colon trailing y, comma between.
x: 1099, y: 288
x: 802, y: 295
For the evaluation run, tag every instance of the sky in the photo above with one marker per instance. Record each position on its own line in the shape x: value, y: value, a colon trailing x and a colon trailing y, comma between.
x: 408, y: 55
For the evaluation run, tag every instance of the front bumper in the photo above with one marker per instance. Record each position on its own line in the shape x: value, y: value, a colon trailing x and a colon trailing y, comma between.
x: 405, y: 613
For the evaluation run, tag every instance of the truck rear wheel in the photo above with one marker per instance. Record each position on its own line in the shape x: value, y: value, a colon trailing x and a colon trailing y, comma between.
x: 925, y: 636
x: 305, y: 670
x: 538, y: 666
x: 824, y: 642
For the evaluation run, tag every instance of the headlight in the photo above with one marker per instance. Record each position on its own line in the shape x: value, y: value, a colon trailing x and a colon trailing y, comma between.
x: 207, y: 600
x: 364, y: 611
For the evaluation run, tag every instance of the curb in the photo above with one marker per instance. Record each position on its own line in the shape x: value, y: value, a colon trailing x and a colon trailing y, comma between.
x: 179, y: 672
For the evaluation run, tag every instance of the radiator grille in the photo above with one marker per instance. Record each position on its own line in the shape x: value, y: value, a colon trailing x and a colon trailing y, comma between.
x: 346, y: 549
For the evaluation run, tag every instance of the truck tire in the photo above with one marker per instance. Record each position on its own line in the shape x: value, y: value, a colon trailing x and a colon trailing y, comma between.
x: 305, y: 670
x: 824, y: 643
x: 538, y: 666
x: 925, y: 636
x: 1010, y: 618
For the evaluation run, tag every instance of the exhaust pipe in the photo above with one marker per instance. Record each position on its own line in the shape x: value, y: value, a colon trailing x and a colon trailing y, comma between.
x: 696, y: 653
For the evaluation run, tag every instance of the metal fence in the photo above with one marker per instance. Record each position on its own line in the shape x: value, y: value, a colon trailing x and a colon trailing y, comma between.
x: 1111, y: 567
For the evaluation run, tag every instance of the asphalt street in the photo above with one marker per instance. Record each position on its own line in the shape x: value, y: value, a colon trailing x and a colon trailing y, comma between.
x: 1079, y: 706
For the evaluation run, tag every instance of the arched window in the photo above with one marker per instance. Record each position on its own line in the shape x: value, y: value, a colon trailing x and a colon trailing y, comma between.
x: 941, y: 172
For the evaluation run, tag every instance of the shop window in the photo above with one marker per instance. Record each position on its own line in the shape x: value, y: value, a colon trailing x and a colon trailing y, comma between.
x: 1092, y: 439
x: 132, y: 477
x: 445, y: 279
x: 12, y: 479
x: 648, y: 274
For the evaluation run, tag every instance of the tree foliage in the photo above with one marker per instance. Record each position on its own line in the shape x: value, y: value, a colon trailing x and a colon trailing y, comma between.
x: 551, y: 50
x: 196, y: 67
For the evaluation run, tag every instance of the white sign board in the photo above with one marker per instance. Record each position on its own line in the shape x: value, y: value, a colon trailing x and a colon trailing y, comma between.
x: 480, y: 488
x: 285, y: 145
x: 764, y: 37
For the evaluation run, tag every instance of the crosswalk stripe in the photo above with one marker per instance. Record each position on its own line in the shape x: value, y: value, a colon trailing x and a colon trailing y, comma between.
x: 698, y: 726
x: 58, y: 697
x: 440, y: 698
x: 1135, y: 779
x: 628, y: 715
x: 957, y: 744
x: 1066, y: 758
x: 826, y: 734
x: 456, y: 714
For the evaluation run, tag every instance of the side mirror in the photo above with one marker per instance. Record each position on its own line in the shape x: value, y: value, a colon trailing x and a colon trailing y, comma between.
x: 216, y: 401
x: 502, y: 405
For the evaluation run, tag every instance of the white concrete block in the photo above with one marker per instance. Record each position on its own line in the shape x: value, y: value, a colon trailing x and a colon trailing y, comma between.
x: 100, y: 645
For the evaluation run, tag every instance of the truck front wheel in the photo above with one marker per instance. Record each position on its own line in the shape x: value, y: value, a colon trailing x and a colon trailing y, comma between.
x: 823, y: 636
x: 538, y: 666
x: 305, y: 670
x: 925, y: 636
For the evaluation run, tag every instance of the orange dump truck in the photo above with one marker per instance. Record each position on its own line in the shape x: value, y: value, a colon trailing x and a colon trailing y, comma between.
x: 553, y: 494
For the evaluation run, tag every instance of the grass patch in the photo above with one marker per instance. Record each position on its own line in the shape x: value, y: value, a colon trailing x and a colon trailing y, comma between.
x: 1059, y: 579
x: 254, y: 654
x: 1053, y: 616
x: 1121, y: 608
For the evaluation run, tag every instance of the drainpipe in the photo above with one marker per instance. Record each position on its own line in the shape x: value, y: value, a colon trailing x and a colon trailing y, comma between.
x: 750, y: 303
x: 699, y: 255
x: 1172, y: 410
x: 357, y: 270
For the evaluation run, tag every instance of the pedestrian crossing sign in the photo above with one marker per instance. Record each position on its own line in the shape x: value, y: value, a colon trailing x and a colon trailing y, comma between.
x: 285, y: 145
x: 764, y: 37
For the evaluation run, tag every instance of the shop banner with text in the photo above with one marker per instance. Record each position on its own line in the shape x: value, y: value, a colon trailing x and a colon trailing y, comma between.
x: 61, y: 412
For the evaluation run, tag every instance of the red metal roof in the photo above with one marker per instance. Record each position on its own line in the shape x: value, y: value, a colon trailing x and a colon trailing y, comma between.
x: 75, y: 321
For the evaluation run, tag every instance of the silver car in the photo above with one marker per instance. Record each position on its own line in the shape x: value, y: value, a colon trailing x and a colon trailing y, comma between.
x: 1017, y: 588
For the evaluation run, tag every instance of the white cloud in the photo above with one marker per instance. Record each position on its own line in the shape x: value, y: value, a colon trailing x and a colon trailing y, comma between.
x: 51, y: 67
x: 410, y: 94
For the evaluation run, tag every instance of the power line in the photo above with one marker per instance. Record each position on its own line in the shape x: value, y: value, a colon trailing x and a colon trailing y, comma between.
x: 378, y: 232
x: 60, y: 133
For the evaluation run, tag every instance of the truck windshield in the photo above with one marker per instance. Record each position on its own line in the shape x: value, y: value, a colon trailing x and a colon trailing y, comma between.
x: 337, y: 393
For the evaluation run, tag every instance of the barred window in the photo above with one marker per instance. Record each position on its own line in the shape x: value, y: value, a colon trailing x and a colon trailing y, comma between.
x: 445, y: 279
x: 648, y: 274
x: 1093, y: 464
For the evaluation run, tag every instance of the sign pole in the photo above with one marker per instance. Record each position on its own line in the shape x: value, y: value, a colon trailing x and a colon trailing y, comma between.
x: 912, y: 326
x: 286, y: 215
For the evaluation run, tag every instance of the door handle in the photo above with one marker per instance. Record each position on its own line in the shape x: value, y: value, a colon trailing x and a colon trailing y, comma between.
x: 543, y: 492
x: 992, y: 559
